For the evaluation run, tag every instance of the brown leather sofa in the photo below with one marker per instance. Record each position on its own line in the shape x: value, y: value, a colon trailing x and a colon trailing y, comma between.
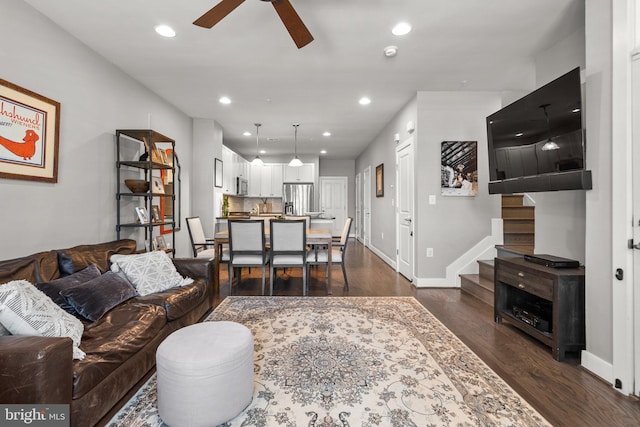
x: 120, y: 347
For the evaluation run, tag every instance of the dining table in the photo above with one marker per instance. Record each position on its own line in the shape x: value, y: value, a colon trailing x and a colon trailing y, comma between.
x: 315, y: 236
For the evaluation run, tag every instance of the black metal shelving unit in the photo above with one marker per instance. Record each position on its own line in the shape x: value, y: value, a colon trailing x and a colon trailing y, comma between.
x: 146, y: 140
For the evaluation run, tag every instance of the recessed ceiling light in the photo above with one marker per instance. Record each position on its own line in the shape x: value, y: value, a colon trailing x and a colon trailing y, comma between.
x: 323, y: 151
x: 401, y: 29
x: 225, y: 100
x: 326, y: 133
x: 247, y: 133
x: 165, y: 31
x: 262, y: 152
x: 519, y: 134
x: 364, y: 101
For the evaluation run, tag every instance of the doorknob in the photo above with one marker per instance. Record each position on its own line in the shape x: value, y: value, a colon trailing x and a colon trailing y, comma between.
x: 408, y: 219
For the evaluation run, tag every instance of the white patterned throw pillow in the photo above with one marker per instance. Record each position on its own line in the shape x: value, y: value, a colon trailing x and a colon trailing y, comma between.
x: 151, y: 272
x: 25, y: 310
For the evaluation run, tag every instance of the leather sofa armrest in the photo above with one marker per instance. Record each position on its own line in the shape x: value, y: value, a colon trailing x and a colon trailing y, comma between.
x: 36, y: 370
x: 198, y: 268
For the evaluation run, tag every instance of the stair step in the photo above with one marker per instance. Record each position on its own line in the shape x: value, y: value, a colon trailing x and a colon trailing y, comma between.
x: 486, y: 269
x: 518, y: 225
x: 479, y: 287
x: 512, y: 200
x: 515, y: 250
x: 519, y: 239
x: 518, y: 212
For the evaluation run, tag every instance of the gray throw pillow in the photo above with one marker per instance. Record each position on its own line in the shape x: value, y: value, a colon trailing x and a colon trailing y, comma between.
x: 94, y: 298
x: 52, y: 288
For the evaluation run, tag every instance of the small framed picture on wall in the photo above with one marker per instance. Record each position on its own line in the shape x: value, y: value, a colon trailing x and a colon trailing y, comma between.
x: 380, y: 180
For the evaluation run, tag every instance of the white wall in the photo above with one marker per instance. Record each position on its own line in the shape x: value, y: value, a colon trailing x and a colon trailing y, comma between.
x: 382, y: 150
x: 598, y: 262
x: 453, y: 224
x: 560, y: 215
x: 96, y: 99
x: 207, y: 146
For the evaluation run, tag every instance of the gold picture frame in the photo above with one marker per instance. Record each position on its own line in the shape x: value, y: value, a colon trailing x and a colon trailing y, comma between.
x: 29, y: 134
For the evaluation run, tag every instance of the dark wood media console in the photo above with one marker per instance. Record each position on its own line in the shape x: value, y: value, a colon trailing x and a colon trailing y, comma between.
x: 546, y: 303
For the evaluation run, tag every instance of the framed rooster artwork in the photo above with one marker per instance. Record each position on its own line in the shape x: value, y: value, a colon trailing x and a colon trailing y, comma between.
x: 29, y: 133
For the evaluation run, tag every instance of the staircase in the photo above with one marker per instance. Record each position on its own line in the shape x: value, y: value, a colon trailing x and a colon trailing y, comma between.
x: 518, y: 222
x: 480, y: 285
x: 518, y: 236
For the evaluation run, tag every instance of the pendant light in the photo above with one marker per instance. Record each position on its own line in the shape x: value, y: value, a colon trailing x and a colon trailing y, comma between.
x: 257, y: 160
x: 295, y: 162
x: 550, y: 144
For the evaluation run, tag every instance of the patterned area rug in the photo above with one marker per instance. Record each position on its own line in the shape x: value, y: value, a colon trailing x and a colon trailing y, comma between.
x: 356, y: 362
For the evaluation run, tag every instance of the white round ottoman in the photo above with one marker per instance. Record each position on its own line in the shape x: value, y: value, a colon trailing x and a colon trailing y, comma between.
x: 205, y: 374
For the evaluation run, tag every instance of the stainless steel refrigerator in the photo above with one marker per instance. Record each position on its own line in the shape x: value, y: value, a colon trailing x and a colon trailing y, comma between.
x: 297, y: 199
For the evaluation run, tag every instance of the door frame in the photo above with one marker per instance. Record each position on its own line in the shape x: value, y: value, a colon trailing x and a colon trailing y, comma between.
x: 366, y: 197
x: 625, y: 192
x: 409, y: 142
x: 358, y: 207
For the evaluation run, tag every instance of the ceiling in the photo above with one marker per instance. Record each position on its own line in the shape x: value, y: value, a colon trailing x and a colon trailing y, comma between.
x: 456, y: 45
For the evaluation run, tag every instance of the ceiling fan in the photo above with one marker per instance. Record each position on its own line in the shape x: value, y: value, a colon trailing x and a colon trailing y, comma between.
x: 291, y: 20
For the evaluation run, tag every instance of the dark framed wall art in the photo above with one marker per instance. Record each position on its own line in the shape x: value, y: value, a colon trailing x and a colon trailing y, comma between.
x: 380, y: 180
x: 29, y: 134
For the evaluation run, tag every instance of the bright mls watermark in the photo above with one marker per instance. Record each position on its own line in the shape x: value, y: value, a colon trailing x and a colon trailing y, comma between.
x: 34, y: 415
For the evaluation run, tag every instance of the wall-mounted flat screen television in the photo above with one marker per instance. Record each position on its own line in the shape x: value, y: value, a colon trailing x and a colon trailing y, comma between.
x: 537, y: 142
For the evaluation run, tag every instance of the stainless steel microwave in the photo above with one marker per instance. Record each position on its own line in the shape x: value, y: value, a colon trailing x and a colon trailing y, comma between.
x: 242, y: 186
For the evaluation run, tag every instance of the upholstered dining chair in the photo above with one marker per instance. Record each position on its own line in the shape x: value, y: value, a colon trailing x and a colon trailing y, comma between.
x: 202, y: 246
x: 338, y: 251
x: 246, y: 248
x: 288, y: 248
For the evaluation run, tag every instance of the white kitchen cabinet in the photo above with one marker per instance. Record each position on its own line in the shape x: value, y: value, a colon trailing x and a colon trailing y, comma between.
x: 228, y: 179
x: 265, y: 180
x: 255, y: 180
x: 304, y: 173
x: 233, y: 166
x: 271, y: 180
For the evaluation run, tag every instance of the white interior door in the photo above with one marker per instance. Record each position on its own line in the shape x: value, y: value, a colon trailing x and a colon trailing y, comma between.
x: 635, y: 84
x: 333, y: 200
x: 405, y: 208
x: 358, y: 218
x: 366, y: 206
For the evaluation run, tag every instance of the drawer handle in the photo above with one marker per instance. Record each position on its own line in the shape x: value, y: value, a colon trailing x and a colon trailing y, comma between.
x: 521, y: 285
x: 520, y: 274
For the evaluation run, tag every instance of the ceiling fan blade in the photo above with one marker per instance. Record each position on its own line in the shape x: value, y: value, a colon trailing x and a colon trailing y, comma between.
x: 215, y: 14
x: 291, y: 20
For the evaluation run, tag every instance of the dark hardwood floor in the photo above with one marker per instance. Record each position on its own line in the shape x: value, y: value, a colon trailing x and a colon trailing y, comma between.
x: 563, y: 392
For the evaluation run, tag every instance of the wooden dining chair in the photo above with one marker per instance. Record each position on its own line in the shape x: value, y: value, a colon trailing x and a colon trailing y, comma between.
x: 246, y: 248
x: 338, y: 252
x: 288, y: 248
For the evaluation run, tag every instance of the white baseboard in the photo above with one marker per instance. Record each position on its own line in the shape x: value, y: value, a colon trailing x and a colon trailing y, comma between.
x: 597, y: 366
x: 464, y: 264
x: 443, y: 282
x: 385, y: 258
x: 467, y: 262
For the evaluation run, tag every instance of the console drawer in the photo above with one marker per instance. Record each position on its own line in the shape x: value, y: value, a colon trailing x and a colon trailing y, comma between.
x: 528, y: 282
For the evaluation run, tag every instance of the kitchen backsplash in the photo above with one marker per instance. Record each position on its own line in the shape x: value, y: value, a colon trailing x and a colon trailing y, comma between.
x: 248, y: 204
